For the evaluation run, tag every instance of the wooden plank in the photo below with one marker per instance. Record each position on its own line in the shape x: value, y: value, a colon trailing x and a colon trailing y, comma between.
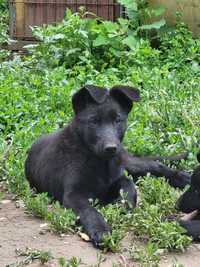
x: 12, y: 20
x: 117, y: 10
x: 29, y: 18
x: 111, y: 10
x: 102, y: 8
x: 19, y: 18
x: 60, y: 10
x: 92, y: 6
x: 51, y: 13
x: 39, y: 14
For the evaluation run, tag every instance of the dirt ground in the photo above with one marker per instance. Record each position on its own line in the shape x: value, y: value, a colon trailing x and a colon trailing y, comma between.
x: 20, y: 230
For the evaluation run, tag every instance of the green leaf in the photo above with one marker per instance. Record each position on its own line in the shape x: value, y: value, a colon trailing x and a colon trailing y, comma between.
x: 72, y: 51
x: 58, y: 36
x: 110, y: 26
x: 129, y: 4
x: 68, y: 13
x: 30, y: 46
x: 131, y: 42
x: 101, y: 40
x: 159, y: 11
x: 155, y: 25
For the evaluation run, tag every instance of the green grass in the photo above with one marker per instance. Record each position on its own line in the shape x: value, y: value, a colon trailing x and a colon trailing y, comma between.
x: 30, y: 255
x: 35, y: 98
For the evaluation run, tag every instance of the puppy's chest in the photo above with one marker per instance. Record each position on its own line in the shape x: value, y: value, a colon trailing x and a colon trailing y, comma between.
x: 102, y: 174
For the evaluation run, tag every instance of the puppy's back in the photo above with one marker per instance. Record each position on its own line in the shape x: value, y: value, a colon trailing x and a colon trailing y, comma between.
x: 37, y: 159
x: 52, y: 160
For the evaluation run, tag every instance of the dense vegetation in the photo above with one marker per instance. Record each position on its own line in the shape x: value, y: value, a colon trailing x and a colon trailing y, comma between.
x: 4, y: 28
x: 35, y: 98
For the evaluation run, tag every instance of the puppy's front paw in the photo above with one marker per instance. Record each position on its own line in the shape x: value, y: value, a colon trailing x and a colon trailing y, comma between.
x: 97, y: 235
x: 94, y: 225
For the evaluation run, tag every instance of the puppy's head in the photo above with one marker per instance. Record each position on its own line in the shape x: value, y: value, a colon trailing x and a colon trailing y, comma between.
x: 190, y: 200
x: 101, y: 117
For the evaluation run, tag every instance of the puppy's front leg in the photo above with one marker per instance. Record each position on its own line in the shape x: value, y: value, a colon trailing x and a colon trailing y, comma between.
x: 91, y: 220
x: 192, y: 228
x: 127, y: 186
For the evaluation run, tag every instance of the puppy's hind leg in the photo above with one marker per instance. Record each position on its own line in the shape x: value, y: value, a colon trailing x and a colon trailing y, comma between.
x: 140, y: 167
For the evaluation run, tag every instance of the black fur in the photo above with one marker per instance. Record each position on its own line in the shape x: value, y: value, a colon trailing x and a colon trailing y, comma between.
x: 190, y: 201
x: 86, y: 159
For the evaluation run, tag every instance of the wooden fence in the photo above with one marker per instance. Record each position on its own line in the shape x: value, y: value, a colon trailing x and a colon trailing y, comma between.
x: 26, y: 13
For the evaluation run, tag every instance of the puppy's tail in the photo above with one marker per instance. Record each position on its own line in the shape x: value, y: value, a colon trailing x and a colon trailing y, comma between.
x: 177, y: 157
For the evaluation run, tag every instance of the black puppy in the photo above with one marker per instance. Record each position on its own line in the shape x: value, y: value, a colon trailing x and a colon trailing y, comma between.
x: 189, y: 202
x: 87, y: 160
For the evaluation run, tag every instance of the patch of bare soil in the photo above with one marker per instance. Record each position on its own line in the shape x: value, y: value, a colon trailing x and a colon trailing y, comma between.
x: 19, y: 230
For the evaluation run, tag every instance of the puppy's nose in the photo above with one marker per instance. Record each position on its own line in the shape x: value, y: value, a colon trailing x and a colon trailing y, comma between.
x: 110, y: 149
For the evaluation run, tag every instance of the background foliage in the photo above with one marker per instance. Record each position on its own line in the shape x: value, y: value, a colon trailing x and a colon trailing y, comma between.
x: 4, y: 19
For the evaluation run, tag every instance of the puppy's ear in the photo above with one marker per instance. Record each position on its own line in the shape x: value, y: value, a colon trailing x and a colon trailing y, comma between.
x: 125, y: 96
x: 86, y: 95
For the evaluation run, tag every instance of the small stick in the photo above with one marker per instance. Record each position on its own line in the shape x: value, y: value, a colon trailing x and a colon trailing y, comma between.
x: 190, y: 216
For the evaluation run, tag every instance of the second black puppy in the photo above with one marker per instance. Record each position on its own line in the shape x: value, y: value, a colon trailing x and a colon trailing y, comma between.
x: 190, y: 202
x: 87, y: 160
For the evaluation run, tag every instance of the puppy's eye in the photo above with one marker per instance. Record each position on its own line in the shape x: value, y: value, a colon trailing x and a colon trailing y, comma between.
x: 118, y: 119
x: 94, y: 120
